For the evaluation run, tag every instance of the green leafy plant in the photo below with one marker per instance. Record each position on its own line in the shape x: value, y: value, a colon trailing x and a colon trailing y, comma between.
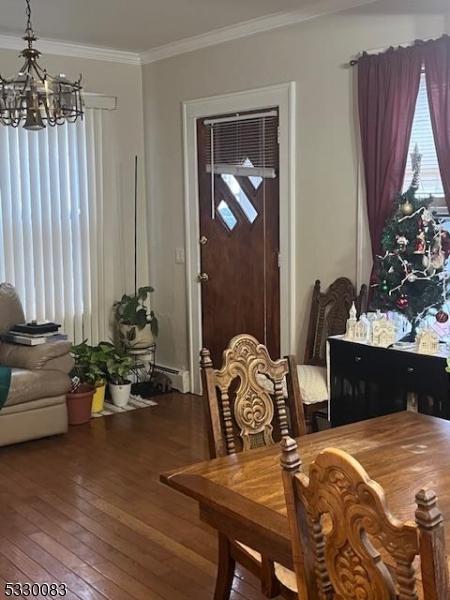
x: 118, y: 363
x: 132, y: 310
x: 89, y: 362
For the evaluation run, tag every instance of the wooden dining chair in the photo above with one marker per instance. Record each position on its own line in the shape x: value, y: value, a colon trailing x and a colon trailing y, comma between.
x: 243, y: 415
x: 345, y: 542
x: 328, y: 316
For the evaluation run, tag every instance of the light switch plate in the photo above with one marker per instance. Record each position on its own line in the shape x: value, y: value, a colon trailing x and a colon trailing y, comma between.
x: 179, y: 256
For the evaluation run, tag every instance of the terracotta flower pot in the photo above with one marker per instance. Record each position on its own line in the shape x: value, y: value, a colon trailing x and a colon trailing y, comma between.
x: 79, y: 404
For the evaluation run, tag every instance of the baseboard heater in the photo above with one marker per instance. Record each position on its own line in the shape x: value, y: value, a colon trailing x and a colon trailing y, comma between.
x: 179, y: 380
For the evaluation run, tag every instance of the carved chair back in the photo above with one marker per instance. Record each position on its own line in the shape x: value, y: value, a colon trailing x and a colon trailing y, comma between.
x: 347, y: 544
x: 328, y: 316
x: 245, y: 402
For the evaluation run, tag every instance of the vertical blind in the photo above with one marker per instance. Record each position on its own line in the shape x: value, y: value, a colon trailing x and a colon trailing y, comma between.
x: 52, y: 239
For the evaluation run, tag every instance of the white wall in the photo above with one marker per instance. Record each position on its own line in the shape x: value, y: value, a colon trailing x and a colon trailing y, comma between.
x: 125, y: 83
x: 315, y: 54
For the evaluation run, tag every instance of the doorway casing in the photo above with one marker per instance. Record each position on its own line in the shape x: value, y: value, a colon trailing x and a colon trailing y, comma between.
x: 281, y: 96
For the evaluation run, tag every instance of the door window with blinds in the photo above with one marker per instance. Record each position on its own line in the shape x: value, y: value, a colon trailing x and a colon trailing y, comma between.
x: 242, y: 146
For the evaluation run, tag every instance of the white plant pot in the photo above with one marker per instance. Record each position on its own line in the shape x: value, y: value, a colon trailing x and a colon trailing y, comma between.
x: 141, y: 338
x: 120, y: 394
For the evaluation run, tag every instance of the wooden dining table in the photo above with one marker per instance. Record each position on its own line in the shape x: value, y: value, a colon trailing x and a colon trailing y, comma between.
x: 242, y: 495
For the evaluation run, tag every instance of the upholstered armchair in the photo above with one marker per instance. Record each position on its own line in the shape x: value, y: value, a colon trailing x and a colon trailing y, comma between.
x: 36, y: 403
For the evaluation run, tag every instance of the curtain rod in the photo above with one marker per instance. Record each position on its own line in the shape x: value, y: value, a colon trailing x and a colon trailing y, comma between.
x: 404, y: 45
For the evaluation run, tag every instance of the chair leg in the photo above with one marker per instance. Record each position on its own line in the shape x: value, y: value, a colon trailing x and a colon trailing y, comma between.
x: 225, y: 570
x: 270, y: 585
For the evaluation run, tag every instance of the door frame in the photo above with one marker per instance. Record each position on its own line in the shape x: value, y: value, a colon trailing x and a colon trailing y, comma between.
x: 281, y: 96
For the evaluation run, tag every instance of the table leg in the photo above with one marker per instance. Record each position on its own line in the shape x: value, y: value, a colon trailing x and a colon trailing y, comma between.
x: 225, y: 569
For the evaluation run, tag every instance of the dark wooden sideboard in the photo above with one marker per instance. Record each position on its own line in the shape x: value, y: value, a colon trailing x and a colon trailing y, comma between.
x: 367, y: 382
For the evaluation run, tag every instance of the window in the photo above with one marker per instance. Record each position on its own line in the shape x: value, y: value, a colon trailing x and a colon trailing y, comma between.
x: 52, y: 186
x: 422, y: 138
x: 241, y: 197
x: 227, y: 215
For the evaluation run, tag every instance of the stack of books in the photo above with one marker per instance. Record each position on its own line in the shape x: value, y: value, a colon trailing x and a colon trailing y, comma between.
x: 34, y: 334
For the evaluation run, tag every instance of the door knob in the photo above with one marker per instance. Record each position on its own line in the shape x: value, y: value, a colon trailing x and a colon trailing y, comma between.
x: 202, y: 277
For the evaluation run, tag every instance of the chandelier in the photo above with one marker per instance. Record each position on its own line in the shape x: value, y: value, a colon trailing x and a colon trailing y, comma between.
x: 35, y: 98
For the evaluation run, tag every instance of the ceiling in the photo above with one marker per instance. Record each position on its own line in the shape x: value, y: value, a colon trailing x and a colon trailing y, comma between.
x: 135, y: 25
x: 147, y: 30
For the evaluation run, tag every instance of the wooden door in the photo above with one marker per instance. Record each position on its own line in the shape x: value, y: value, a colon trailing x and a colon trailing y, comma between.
x: 239, y: 248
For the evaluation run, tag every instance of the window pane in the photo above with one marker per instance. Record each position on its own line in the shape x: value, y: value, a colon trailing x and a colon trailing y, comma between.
x: 255, y: 181
x: 241, y: 197
x: 422, y: 136
x: 227, y: 215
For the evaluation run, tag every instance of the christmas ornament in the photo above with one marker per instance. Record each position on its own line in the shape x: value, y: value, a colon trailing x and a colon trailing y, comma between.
x: 402, y: 302
x: 402, y: 242
x: 445, y: 243
x: 407, y: 208
x: 412, y: 278
x: 421, y: 244
x: 437, y: 261
x: 442, y: 317
x: 427, y: 216
x: 427, y: 219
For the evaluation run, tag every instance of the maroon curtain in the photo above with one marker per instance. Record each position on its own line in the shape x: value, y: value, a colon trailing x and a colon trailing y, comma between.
x: 437, y: 70
x: 388, y: 85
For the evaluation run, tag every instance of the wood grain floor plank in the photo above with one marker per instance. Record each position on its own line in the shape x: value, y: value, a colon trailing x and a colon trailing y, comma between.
x: 57, y: 570
x: 87, y: 509
x: 10, y: 573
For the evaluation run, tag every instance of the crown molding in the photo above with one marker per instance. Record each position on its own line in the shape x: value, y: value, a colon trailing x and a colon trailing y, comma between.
x: 313, y: 10
x: 46, y: 46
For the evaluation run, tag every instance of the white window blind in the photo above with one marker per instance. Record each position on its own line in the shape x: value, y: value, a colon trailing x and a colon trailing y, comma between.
x: 243, y: 145
x: 52, y: 245
x: 422, y: 137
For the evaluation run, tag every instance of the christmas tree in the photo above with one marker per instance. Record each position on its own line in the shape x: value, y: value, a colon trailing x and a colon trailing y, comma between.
x: 410, y: 275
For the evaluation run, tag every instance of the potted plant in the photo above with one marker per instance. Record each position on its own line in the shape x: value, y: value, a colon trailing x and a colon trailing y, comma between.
x: 118, y: 368
x: 99, y: 357
x: 84, y: 376
x: 137, y: 324
x: 91, y: 366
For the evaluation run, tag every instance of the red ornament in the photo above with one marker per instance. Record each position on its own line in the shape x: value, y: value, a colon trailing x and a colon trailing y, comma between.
x: 442, y: 317
x: 402, y: 302
x: 445, y: 243
x: 421, y: 245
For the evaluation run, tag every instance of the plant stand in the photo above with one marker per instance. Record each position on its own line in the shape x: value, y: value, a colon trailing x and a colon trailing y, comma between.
x: 143, y: 369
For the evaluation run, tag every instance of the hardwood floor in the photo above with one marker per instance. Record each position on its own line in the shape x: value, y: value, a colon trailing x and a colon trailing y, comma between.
x: 87, y: 509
